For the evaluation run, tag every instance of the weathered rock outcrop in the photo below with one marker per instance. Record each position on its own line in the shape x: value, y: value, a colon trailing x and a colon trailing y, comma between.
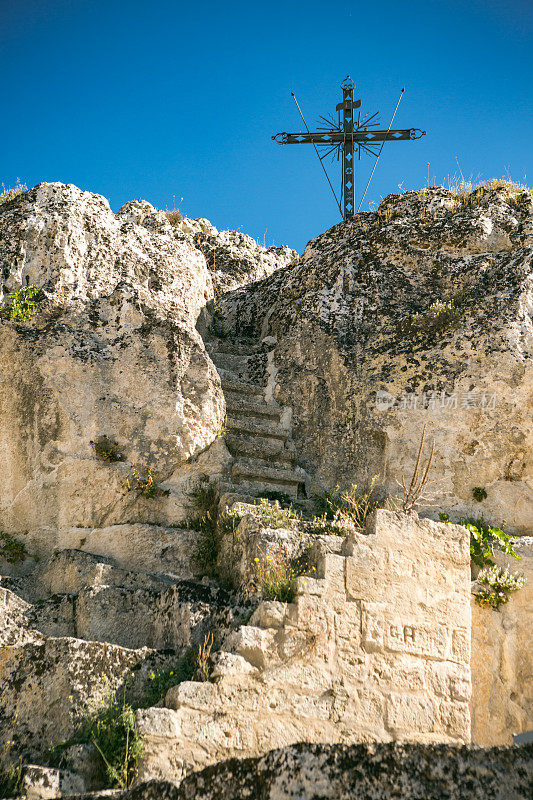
x: 321, y: 372
x: 113, y: 350
x: 233, y: 257
x: 366, y: 356
x: 365, y: 772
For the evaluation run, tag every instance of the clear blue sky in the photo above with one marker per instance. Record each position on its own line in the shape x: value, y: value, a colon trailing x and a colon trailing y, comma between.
x: 136, y: 99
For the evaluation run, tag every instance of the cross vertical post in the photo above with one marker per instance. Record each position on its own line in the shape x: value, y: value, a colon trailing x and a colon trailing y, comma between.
x: 344, y: 134
x: 348, y: 183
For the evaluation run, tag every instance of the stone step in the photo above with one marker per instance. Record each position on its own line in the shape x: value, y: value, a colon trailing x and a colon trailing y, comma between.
x: 129, y: 616
x: 256, y: 426
x: 246, y: 406
x: 71, y: 570
x: 269, y: 449
x: 233, y: 385
x: 232, y: 362
x: 45, y: 783
x: 138, y: 547
x: 233, y: 347
x: 260, y: 475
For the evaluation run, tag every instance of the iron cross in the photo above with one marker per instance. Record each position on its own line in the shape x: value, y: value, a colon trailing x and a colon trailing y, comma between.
x: 345, y: 134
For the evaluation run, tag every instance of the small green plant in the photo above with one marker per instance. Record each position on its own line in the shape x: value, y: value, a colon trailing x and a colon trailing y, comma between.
x: 162, y: 681
x: 479, y: 494
x: 6, y: 195
x: 115, y: 736
x: 113, y: 732
x: 205, y: 498
x: 202, y: 669
x: 144, y: 484
x: 442, y: 315
x: 106, y: 449
x: 338, y: 512
x: 22, y: 304
x: 483, y: 539
x: 272, y: 515
x: 281, y: 497
x: 12, y: 549
x: 357, y: 505
x: 497, y: 585
x: 325, y: 504
x: 275, y: 577
x: 11, y: 780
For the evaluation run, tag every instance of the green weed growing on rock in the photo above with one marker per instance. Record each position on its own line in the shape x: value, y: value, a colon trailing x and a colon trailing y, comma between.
x: 106, y: 449
x: 496, y: 586
x: 202, y: 669
x: 339, y: 512
x: 11, y: 549
x: 163, y: 680
x: 114, y: 734
x: 22, y: 304
x: 205, y: 498
x: 272, y: 515
x: 11, y: 780
x: 275, y: 577
x: 281, y: 497
x: 483, y: 539
x: 144, y: 483
x: 112, y: 730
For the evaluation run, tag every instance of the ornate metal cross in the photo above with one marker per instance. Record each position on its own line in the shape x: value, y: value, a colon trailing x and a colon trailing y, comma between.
x: 345, y: 134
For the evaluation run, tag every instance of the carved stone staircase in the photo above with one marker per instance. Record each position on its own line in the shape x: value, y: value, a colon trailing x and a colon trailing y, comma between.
x: 357, y: 656
x: 258, y: 432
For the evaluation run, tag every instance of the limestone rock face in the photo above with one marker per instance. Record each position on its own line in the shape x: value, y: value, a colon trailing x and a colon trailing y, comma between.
x: 233, y: 257
x: 365, y: 771
x: 366, y: 355
x: 112, y: 350
x: 49, y: 685
x: 79, y: 627
x: 502, y: 663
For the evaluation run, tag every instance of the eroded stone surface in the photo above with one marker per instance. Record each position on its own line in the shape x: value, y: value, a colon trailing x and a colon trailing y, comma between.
x: 376, y: 645
x: 365, y: 771
x: 362, y: 385
x: 112, y: 350
x: 48, y: 685
x: 367, y: 651
x: 502, y: 659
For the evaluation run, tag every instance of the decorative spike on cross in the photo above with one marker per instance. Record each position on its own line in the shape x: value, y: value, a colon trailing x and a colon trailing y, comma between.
x: 345, y: 134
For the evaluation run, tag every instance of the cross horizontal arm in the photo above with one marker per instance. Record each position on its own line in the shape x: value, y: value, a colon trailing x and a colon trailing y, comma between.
x: 339, y: 137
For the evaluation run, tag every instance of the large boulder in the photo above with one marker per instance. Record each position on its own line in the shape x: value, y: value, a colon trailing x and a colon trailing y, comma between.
x: 418, y: 314
x: 112, y: 351
x: 365, y: 771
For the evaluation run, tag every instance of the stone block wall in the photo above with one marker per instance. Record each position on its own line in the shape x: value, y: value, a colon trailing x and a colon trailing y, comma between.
x: 376, y: 648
